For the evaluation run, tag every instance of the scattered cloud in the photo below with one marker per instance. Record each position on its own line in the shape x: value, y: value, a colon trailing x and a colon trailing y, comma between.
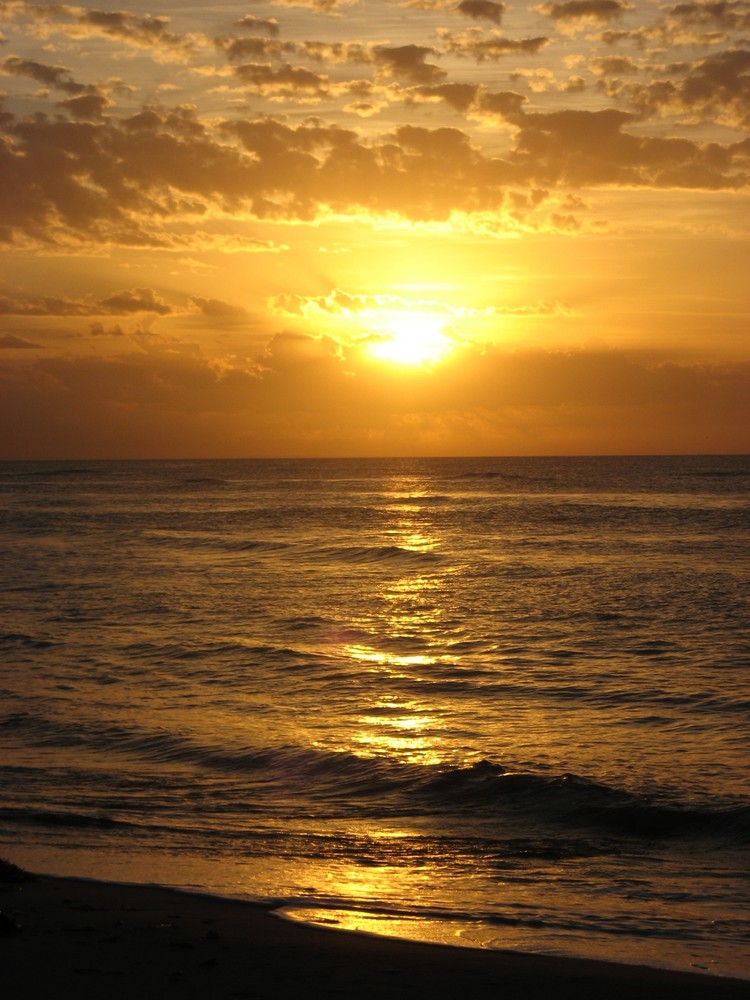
x: 123, y: 303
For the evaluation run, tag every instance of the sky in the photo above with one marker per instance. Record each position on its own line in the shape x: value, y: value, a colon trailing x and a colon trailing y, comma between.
x: 347, y: 228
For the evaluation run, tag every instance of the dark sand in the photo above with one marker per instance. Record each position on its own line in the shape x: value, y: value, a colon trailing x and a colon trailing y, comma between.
x: 83, y: 940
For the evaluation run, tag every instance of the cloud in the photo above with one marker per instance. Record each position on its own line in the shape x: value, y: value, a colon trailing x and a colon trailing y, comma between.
x: 473, y: 100
x: 729, y: 15
x: 237, y: 49
x: 58, y: 77
x: 323, y: 6
x: 263, y: 24
x: 340, y: 303
x: 482, y: 10
x: 120, y: 304
x: 282, y: 81
x: 100, y: 330
x: 427, y: 4
x: 9, y: 342
x: 337, y: 303
x: 146, y: 32
x: 590, y: 148
x: 583, y: 12
x: 492, y: 48
x: 216, y: 309
x: 133, y: 182
x: 408, y: 62
x: 715, y: 88
x: 136, y: 300
x: 611, y: 65
x: 87, y: 107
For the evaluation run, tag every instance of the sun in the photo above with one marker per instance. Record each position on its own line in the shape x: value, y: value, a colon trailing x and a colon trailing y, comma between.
x: 412, y: 338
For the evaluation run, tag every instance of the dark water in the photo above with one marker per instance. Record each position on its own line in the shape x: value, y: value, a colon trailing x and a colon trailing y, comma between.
x: 500, y: 702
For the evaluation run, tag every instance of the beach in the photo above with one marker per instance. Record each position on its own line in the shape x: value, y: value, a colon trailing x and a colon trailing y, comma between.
x: 89, y: 939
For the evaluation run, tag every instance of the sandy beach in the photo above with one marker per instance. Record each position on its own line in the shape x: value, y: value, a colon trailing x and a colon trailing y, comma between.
x: 94, y: 939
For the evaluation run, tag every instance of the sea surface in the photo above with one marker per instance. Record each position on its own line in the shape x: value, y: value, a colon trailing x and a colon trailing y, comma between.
x: 502, y: 703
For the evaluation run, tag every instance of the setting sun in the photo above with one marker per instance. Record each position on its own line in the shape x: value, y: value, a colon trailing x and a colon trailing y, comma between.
x: 413, y: 339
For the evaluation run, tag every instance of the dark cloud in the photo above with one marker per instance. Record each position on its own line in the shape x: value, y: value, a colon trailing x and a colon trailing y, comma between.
x: 716, y: 88
x: 216, y: 309
x: 282, y: 80
x: 100, y: 330
x: 8, y: 341
x: 58, y: 77
x: 86, y: 107
x: 492, y: 48
x: 611, y: 65
x: 726, y: 14
x: 136, y: 300
x: 482, y: 10
x: 408, y: 62
x: 582, y: 148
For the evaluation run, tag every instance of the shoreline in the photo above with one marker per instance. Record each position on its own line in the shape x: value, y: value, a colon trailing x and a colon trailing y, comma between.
x: 101, y: 939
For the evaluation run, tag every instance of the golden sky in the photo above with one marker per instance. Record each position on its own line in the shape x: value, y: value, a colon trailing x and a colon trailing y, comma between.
x: 404, y: 227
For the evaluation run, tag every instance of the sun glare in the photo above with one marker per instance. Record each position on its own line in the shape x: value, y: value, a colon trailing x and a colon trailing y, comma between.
x: 412, y: 339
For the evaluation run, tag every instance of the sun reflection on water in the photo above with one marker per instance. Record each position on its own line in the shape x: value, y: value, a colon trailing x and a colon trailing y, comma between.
x: 409, y: 737
x: 405, y: 644
x: 381, y: 658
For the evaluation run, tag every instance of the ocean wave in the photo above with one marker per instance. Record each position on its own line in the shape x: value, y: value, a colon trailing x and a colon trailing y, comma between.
x: 375, y: 554
x: 193, y: 481
x: 572, y: 799
x: 45, y: 473
x: 421, y: 500
x: 288, y: 775
x: 20, y: 640
x: 60, y: 818
x: 215, y: 543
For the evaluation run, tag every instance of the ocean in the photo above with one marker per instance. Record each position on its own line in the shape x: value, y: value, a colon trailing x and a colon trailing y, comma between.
x: 493, y: 702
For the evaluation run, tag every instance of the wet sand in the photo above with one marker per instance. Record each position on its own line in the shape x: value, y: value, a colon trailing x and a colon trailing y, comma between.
x: 107, y: 941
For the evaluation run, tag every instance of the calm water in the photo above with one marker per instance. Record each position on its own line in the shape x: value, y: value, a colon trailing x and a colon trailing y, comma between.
x: 495, y: 702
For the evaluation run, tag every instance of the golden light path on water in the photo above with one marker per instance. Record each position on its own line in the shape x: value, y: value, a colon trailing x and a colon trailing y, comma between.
x: 405, y: 729
x: 411, y: 730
